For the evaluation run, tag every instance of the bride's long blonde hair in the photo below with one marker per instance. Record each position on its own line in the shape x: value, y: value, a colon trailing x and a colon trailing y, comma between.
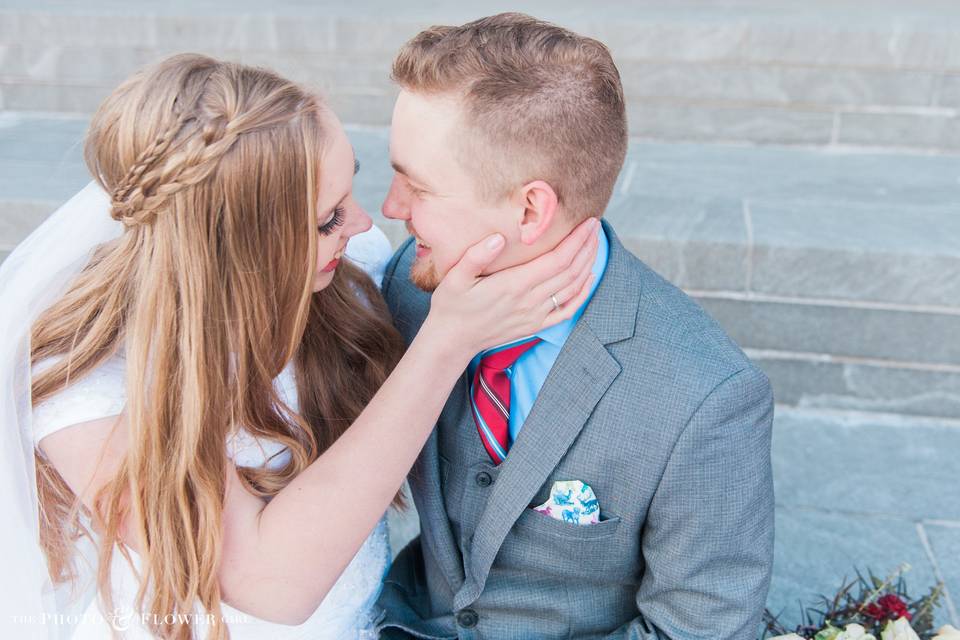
x: 214, y: 169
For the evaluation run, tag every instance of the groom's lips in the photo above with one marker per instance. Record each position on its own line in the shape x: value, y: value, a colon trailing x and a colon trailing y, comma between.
x: 422, y: 248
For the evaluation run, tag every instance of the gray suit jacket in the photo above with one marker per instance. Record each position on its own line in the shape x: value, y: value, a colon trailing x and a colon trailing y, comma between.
x: 655, y: 408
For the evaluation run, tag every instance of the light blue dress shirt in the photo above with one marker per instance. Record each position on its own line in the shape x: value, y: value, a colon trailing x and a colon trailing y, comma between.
x: 530, y: 370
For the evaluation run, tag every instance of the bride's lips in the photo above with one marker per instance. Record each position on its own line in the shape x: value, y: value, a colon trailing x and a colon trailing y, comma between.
x: 333, y: 263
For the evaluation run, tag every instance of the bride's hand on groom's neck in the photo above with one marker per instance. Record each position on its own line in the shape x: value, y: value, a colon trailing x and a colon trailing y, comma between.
x: 480, y: 312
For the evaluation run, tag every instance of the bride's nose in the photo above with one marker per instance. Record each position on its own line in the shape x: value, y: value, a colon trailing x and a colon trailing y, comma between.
x: 358, y: 222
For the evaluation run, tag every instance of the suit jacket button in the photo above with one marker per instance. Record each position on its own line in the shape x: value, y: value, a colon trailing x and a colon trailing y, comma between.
x: 467, y: 618
x: 484, y: 479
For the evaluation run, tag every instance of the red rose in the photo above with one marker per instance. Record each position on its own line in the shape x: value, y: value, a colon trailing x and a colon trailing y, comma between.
x: 892, y: 604
x: 889, y: 606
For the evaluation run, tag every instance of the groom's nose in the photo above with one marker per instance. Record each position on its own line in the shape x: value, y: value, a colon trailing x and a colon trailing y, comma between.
x: 395, y: 205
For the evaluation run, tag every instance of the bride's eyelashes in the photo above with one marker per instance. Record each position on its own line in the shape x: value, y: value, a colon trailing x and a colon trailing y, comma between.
x: 329, y: 227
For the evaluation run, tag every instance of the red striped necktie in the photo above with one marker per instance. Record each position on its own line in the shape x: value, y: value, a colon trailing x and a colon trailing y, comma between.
x: 490, y: 396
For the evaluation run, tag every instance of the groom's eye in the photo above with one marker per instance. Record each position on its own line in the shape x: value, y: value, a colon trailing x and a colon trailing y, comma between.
x: 415, y: 191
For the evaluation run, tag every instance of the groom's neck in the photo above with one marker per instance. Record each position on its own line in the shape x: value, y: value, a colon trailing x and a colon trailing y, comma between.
x: 519, y: 253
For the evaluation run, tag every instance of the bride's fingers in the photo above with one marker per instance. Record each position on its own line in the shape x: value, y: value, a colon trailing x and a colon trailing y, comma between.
x: 565, y: 296
x: 475, y: 260
x: 578, y: 269
x: 566, y: 311
x: 529, y: 275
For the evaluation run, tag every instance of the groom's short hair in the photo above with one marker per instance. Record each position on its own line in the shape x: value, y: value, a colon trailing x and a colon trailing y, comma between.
x: 539, y: 102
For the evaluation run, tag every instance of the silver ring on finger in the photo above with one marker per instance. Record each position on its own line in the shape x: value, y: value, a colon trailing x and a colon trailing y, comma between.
x: 556, y: 305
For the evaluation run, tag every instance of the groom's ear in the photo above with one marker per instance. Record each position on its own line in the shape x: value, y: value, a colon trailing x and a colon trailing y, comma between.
x: 540, y: 204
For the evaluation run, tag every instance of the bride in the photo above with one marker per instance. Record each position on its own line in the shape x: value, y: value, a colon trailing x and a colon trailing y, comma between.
x: 206, y: 408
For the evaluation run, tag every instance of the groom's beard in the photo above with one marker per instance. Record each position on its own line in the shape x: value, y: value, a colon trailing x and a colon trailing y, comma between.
x: 424, y: 275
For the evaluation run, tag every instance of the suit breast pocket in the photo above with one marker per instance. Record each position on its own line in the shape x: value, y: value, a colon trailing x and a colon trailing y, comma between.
x: 564, y: 549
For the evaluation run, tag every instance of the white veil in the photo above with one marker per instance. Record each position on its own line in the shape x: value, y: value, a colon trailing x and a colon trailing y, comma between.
x: 31, y: 278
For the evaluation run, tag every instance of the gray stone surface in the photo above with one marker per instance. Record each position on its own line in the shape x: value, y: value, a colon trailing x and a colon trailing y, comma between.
x: 758, y: 173
x: 818, y: 551
x: 894, y: 45
x: 848, y: 226
x: 849, y: 275
x: 59, y: 97
x: 821, y: 248
x: 45, y: 139
x: 856, y: 491
x: 834, y: 34
x: 41, y: 166
x: 822, y: 382
x: 106, y: 66
x: 695, y: 70
x: 695, y: 243
x: 663, y: 120
x: 820, y: 221
x: 776, y: 85
x: 867, y: 465
x: 844, y: 331
x: 944, y: 540
x: 368, y: 107
x: 950, y: 91
x: 937, y: 130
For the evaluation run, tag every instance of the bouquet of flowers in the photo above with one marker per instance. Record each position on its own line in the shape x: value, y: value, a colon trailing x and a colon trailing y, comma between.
x: 879, y: 610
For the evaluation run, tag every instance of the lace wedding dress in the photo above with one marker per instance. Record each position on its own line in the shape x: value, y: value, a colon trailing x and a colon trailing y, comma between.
x: 345, y: 613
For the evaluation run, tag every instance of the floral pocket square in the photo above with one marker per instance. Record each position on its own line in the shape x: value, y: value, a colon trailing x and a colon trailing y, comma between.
x: 571, y: 501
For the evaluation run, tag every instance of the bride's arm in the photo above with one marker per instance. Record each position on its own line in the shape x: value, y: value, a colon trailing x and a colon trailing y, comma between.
x: 280, y: 559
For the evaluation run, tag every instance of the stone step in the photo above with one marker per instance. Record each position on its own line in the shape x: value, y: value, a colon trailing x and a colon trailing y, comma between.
x: 816, y: 73
x: 864, y: 491
x: 839, y: 273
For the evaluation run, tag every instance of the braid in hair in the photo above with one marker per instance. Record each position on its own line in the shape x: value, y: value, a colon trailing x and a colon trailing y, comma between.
x: 175, y: 161
x: 198, y: 158
x: 147, y: 158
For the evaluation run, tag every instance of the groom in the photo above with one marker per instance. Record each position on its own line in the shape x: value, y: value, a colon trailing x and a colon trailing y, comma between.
x: 610, y: 477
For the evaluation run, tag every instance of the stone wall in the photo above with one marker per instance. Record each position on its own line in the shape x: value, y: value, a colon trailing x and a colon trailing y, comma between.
x: 881, y: 74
